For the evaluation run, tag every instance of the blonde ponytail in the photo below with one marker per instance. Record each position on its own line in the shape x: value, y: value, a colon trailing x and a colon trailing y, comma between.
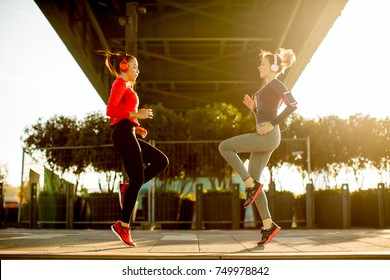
x: 287, y: 57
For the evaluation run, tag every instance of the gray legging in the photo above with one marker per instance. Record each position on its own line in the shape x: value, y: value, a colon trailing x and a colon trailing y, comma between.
x: 260, y: 148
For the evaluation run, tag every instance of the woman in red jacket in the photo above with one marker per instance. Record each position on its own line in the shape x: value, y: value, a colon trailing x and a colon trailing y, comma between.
x: 141, y: 160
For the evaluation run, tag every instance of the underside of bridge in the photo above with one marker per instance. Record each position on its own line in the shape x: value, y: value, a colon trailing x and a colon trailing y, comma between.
x: 191, y: 52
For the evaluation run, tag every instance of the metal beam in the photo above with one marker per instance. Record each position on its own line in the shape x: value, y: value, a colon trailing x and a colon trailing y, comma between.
x: 214, y: 60
x: 197, y: 11
x: 206, y: 39
x: 170, y: 16
x: 289, y: 23
x: 96, y: 26
x: 187, y: 63
x: 177, y: 95
x: 198, y: 81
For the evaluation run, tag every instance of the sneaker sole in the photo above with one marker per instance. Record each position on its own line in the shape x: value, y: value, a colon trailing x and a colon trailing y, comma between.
x: 254, y: 197
x: 120, y: 238
x: 276, y: 231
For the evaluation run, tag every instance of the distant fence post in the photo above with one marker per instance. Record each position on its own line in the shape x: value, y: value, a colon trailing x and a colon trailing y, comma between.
x: 381, y: 205
x: 271, y: 198
x: 346, y: 206
x: 309, y: 206
x: 199, y: 206
x: 236, y: 206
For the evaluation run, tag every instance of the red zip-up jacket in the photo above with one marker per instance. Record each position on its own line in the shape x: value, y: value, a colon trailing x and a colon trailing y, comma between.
x: 123, y: 100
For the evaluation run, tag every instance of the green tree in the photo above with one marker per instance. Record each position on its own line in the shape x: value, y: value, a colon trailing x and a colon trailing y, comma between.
x: 48, y: 136
x: 213, y: 122
x: 3, y: 171
x: 382, y: 158
x: 51, y: 138
x: 100, y: 154
x: 334, y: 142
x: 366, y: 139
x: 166, y: 124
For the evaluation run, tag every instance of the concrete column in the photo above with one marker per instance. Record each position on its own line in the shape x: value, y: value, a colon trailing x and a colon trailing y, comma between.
x: 131, y: 27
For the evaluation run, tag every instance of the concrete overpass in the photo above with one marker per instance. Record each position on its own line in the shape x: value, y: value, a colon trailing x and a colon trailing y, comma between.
x: 191, y: 52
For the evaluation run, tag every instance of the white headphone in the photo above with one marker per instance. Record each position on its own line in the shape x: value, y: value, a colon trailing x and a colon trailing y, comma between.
x: 275, y: 66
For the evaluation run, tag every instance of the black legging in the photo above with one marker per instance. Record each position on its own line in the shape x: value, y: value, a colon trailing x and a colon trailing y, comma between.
x: 141, y: 161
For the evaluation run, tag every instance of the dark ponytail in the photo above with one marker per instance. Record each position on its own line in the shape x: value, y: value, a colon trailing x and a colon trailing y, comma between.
x: 112, y: 60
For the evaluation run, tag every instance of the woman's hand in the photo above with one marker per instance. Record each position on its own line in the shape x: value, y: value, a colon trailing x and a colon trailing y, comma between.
x: 144, y: 113
x: 264, y: 128
x: 249, y: 102
x: 141, y: 131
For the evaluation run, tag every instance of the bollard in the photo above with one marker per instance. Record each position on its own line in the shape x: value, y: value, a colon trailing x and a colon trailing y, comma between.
x: 2, y: 212
x: 33, y: 206
x: 309, y: 206
x: 236, y: 206
x: 381, y: 205
x: 346, y: 206
x: 199, y: 206
x: 70, y: 206
x: 151, y: 201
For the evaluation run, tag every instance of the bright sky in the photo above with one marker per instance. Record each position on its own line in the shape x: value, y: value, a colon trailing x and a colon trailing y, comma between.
x: 349, y: 73
x: 39, y: 78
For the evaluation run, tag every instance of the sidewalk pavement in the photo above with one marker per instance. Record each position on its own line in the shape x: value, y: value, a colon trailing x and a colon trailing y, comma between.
x: 296, y: 244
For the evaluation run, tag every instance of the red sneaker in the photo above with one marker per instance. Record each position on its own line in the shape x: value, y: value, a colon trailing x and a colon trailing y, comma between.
x: 123, y: 233
x: 122, y: 190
